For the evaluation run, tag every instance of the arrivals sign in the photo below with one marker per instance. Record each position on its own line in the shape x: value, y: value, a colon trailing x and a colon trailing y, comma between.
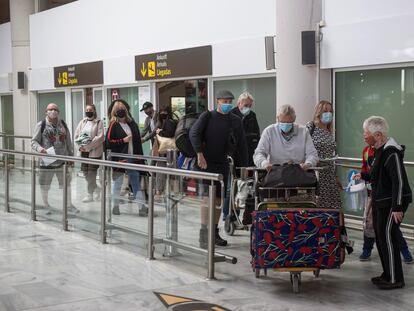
x: 79, y: 74
x: 174, y: 64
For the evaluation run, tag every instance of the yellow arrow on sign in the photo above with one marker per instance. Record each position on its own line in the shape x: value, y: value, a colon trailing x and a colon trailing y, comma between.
x: 143, y: 70
x: 59, y: 79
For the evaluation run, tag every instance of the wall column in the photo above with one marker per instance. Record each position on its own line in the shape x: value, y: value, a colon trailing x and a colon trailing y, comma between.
x: 295, y: 83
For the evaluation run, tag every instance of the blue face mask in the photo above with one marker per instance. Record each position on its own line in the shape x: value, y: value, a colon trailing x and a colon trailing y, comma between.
x: 285, y: 127
x: 326, y: 117
x: 245, y: 111
x: 226, y: 108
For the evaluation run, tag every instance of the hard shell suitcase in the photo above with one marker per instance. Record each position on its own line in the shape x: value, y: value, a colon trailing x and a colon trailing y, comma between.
x: 297, y: 237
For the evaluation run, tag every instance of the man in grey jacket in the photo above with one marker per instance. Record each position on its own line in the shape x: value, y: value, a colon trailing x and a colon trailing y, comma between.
x: 52, y: 134
x: 285, y: 142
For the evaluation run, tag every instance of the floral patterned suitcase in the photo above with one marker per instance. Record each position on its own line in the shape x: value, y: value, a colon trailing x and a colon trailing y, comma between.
x: 295, y: 237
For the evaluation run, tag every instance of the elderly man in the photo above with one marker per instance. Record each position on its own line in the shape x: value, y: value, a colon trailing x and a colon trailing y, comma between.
x: 249, y: 120
x: 52, y: 134
x: 391, y: 195
x: 285, y: 142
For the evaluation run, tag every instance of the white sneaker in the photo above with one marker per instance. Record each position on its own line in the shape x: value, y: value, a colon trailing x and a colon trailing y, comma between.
x: 98, y: 194
x: 73, y: 210
x: 88, y: 198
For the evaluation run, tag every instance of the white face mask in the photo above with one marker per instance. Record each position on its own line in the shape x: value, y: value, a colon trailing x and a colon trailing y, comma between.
x: 245, y: 111
x: 52, y: 114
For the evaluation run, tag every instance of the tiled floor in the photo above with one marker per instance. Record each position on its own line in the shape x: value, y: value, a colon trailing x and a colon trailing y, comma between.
x: 44, y: 268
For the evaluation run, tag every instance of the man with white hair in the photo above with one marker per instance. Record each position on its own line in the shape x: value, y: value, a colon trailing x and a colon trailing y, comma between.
x: 391, y: 195
x: 285, y: 142
x: 250, y: 124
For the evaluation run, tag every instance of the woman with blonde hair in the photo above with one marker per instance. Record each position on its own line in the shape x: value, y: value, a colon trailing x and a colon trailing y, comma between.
x: 89, y: 136
x: 321, y: 131
x: 123, y: 137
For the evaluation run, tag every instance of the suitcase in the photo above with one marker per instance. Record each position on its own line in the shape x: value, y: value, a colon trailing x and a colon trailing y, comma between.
x: 297, y: 238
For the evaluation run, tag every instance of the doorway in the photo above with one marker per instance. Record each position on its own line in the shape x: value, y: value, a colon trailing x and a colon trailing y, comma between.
x: 184, y: 96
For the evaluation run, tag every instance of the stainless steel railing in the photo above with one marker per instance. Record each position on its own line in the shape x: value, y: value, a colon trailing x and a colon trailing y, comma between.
x: 212, y: 256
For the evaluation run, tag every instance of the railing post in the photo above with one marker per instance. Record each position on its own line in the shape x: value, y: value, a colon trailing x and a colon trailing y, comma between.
x: 211, y: 233
x: 6, y: 184
x: 33, y: 189
x: 109, y: 189
x: 171, y: 218
x: 150, y: 246
x: 23, y: 158
x: 65, y: 197
x: 103, y: 206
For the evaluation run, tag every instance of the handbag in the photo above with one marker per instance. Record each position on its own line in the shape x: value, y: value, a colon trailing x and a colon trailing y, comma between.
x: 289, y: 175
x: 165, y: 143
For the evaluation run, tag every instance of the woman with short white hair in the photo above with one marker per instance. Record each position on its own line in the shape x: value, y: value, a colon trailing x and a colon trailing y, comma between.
x: 285, y: 142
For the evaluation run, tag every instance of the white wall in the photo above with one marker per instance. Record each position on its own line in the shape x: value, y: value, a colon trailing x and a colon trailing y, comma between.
x: 368, y: 32
x: 88, y: 30
x: 5, y: 49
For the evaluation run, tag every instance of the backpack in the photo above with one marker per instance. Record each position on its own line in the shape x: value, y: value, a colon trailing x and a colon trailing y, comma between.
x: 43, y: 126
x: 182, y: 134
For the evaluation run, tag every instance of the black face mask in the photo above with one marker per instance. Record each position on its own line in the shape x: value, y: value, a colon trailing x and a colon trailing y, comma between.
x: 163, y: 116
x: 89, y: 114
x: 121, y: 113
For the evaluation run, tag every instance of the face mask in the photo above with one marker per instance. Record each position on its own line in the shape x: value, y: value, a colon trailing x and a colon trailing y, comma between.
x: 226, y: 108
x: 245, y: 111
x: 149, y: 113
x: 285, y: 127
x: 163, y: 116
x: 52, y: 114
x: 89, y: 114
x: 121, y: 113
x: 326, y: 117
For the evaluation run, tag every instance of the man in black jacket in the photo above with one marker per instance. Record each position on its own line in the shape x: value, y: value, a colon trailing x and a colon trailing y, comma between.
x: 250, y: 125
x: 391, y: 195
x: 215, y: 135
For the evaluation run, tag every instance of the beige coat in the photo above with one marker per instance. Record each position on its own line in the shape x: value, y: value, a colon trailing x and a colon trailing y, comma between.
x: 95, y: 147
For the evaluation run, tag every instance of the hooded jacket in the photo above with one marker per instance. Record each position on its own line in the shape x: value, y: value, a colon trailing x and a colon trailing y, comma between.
x: 390, y: 187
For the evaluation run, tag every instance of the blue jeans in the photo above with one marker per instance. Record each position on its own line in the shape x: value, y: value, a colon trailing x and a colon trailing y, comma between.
x: 134, y: 180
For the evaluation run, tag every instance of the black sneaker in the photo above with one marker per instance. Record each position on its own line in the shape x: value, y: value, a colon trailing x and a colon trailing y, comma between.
x: 219, y: 240
x: 115, y: 210
x: 382, y: 284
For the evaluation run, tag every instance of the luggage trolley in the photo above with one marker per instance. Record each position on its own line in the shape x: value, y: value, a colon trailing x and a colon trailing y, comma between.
x: 291, y: 234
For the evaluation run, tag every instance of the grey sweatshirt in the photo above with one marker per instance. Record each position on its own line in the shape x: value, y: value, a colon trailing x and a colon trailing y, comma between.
x: 273, y: 148
x: 55, y: 135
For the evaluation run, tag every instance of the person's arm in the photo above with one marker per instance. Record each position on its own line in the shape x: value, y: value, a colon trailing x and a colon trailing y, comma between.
x: 111, y: 139
x: 311, y: 155
x: 146, y: 127
x: 196, y: 132
x: 37, y: 139
x: 261, y: 154
x: 98, y: 139
x: 394, y: 170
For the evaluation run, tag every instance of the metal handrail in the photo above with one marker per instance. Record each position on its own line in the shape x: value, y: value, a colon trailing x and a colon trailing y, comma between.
x: 358, y: 160
x: 15, y: 136
x: 212, y: 256
x: 130, y: 166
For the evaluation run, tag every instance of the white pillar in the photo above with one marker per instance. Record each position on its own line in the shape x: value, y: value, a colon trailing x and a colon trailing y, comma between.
x: 20, y: 36
x: 295, y: 83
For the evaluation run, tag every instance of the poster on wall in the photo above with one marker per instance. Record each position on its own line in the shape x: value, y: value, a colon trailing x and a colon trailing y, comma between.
x: 144, y: 95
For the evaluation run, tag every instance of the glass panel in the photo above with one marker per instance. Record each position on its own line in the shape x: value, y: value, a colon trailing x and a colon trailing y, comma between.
x: 98, y: 102
x: 387, y: 92
x: 46, y: 98
x: 263, y: 91
x: 77, y: 108
x: 7, y: 120
x: 19, y: 182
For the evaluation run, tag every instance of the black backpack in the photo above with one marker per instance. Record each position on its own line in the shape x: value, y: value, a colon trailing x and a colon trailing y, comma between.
x: 182, y: 134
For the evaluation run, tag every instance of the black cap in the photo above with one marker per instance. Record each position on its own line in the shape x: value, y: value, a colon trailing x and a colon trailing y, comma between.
x: 146, y: 105
x: 224, y: 94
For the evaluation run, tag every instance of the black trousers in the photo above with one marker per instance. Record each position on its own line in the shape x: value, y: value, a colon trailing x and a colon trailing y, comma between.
x: 388, y: 244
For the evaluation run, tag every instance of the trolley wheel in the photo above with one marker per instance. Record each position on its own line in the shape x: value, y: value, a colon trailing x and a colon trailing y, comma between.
x: 265, y: 271
x: 229, y: 225
x: 257, y: 273
x: 316, y: 273
x: 295, y: 280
